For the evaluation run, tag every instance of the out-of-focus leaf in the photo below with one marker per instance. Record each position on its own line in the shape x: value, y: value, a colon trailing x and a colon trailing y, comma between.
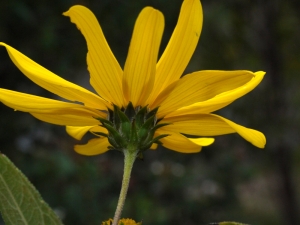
x: 20, y: 203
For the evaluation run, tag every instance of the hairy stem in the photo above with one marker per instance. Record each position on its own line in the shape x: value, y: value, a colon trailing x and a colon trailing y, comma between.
x: 130, y: 156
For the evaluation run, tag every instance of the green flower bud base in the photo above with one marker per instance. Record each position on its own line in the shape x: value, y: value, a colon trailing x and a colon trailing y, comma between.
x: 131, y: 128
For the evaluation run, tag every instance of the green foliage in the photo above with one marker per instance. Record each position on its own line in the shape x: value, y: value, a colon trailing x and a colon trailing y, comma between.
x: 20, y: 203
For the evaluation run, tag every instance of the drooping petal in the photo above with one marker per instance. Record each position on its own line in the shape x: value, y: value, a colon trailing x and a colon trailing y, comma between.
x: 180, y: 48
x: 140, y: 66
x: 178, y: 142
x: 95, y: 146
x: 211, y: 125
x: 202, y: 141
x: 32, y: 103
x: 53, y: 83
x: 49, y: 110
x: 78, y: 132
x: 105, y: 71
x: 202, y: 86
x: 221, y: 100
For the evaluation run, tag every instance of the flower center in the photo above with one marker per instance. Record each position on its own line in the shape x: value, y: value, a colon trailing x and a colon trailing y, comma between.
x: 132, y: 128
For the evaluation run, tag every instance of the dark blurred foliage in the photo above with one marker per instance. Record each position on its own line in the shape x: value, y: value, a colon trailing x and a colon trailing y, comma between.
x: 230, y: 180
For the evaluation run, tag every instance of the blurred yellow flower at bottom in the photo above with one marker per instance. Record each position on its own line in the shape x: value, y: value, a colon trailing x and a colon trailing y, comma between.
x: 122, y: 222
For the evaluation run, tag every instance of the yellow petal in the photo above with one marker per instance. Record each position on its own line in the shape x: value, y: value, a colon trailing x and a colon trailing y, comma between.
x: 36, y: 104
x: 154, y: 146
x: 95, y: 146
x: 177, y: 142
x: 180, y: 48
x: 211, y: 125
x: 140, y: 66
x: 67, y: 118
x: 202, y: 141
x: 78, y: 132
x: 201, y: 86
x: 104, y: 69
x: 221, y: 100
x: 53, y: 83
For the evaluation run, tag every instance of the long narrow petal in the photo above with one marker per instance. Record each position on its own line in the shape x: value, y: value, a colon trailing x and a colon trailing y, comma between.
x: 78, y: 132
x: 202, y: 86
x: 221, y: 100
x: 95, y: 146
x: 211, y: 125
x: 178, y: 142
x: 49, y: 110
x: 105, y: 71
x: 53, y: 83
x: 140, y: 66
x: 180, y: 48
x: 67, y: 118
x: 32, y: 103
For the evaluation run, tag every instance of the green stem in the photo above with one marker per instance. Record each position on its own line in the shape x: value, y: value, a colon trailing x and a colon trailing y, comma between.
x: 130, y: 156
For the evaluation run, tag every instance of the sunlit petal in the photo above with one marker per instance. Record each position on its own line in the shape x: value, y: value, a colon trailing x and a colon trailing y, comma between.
x: 78, y: 132
x: 221, y: 100
x: 180, y: 48
x: 105, y: 71
x: 201, y: 86
x: 140, y: 66
x: 178, y: 142
x: 211, y: 125
x: 52, y: 82
x: 202, y: 141
x: 93, y: 147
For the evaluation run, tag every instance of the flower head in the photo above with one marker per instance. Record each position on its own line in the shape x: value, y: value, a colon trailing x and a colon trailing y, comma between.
x: 122, y: 222
x: 148, y: 102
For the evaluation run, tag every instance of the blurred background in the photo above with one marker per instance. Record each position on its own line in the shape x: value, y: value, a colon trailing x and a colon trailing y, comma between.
x: 230, y: 180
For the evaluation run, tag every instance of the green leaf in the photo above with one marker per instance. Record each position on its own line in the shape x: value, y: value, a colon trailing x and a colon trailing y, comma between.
x: 20, y: 202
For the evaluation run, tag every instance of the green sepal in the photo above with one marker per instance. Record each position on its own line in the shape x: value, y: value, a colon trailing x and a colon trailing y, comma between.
x: 152, y: 112
x: 150, y: 122
x: 115, y: 118
x: 130, y: 111
x: 114, y: 144
x: 159, y: 126
x: 148, y: 144
x: 116, y: 136
x: 133, y: 134
x: 140, y: 117
x: 125, y: 125
x: 156, y: 139
x: 105, y: 121
x: 143, y: 132
x: 122, y: 116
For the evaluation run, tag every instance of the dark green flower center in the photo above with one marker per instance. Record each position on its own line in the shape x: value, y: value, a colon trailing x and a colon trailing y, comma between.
x: 132, y: 128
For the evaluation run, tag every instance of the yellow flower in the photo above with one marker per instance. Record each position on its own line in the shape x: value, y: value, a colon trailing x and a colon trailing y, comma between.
x: 122, y: 222
x: 185, y: 104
